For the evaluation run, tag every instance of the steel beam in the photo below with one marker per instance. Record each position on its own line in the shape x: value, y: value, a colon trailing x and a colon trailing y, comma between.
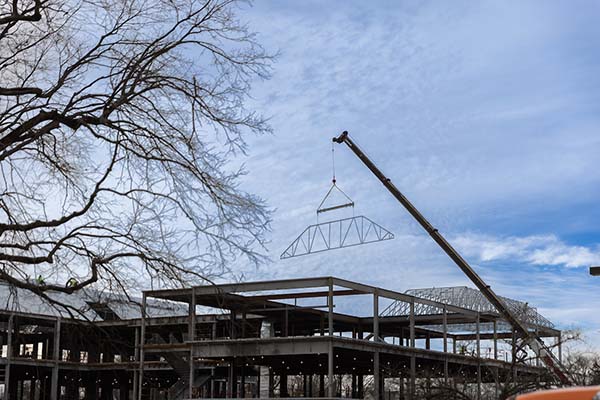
x: 9, y: 354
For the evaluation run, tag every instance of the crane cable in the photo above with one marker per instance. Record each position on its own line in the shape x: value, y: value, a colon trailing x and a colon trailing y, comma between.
x: 333, y: 180
x: 349, y: 203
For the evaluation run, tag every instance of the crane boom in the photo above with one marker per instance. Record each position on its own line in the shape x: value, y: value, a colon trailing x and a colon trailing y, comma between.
x: 530, y: 338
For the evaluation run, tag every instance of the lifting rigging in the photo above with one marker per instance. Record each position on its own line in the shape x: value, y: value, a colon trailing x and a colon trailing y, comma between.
x: 337, y: 233
x: 530, y: 338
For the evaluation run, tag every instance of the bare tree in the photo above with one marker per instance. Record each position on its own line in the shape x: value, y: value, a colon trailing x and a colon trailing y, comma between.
x: 118, y: 123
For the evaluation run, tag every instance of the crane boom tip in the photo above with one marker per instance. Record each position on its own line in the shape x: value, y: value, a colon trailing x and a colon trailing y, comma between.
x: 341, y: 138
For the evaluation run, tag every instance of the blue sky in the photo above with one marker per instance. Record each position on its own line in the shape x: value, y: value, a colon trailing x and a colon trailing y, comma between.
x: 485, y: 114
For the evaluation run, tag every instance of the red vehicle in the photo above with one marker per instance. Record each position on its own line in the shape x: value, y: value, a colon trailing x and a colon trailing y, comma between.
x: 577, y: 393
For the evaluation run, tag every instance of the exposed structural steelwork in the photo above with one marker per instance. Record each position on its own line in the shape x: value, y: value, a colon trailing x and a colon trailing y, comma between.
x: 336, y: 234
x: 261, y: 340
x: 472, y: 299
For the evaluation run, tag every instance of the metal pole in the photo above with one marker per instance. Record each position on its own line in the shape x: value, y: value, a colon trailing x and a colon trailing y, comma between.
x: 142, y: 342
x: 495, y: 340
x: 559, y: 337
x: 376, y: 316
x: 478, y: 359
x: 445, y: 334
x: 192, y: 317
x: 56, y: 356
x: 191, y: 338
x: 9, y: 349
x: 445, y: 327
x: 330, y: 387
x: 376, y: 381
x: 330, y: 307
x: 191, y: 373
x: 412, y: 323
x: 413, y: 377
x: 136, y: 373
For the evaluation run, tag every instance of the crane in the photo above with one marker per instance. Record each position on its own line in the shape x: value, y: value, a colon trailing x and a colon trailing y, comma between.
x: 531, y: 339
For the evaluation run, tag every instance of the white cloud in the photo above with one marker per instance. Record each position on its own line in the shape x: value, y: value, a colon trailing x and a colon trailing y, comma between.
x: 535, y: 250
x: 484, y: 114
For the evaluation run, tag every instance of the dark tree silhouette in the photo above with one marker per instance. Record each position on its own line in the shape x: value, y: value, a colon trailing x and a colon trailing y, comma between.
x: 118, y: 122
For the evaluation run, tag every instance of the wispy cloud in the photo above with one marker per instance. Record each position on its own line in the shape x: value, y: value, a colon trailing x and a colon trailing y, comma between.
x: 535, y: 250
x: 485, y: 114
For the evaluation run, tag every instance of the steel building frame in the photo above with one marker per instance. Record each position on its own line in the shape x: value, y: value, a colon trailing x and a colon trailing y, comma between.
x: 282, y: 338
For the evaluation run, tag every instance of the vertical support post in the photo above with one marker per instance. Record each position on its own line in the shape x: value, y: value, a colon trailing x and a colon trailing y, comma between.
x: 559, y: 338
x: 330, y: 308
x: 412, y: 323
x: 478, y: 357
x: 305, y: 385
x: 413, y: 361
x: 191, y: 373
x: 286, y: 322
x: 330, y: 387
x: 242, y: 387
x: 191, y: 338
x: 376, y: 377
x: 537, y: 356
x: 56, y: 357
x: 445, y: 328
x: 283, y: 385
x: 231, y: 380
x: 361, y: 386
x: 514, y: 347
x: 9, y: 354
x: 478, y: 336
x: 272, y: 381
x: 212, y: 385
x: 445, y: 335
x: 321, y: 385
x: 497, y: 382
x: 136, y: 355
x: 514, y: 354
x: 141, y: 351
x: 495, y: 340
x: 376, y: 316
x: 244, y: 324
x: 192, y: 317
x: 413, y: 377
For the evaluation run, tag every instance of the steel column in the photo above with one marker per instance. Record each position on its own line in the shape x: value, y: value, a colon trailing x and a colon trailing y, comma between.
x: 376, y: 317
x: 412, y: 323
x: 56, y: 357
x: 9, y: 355
x: 330, y: 388
x: 376, y: 377
x: 141, y: 351
x: 330, y: 308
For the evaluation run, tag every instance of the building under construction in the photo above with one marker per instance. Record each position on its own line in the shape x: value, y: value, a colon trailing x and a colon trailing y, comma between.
x: 285, y: 338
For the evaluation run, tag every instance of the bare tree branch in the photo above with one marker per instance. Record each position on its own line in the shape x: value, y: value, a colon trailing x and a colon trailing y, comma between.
x: 118, y: 123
